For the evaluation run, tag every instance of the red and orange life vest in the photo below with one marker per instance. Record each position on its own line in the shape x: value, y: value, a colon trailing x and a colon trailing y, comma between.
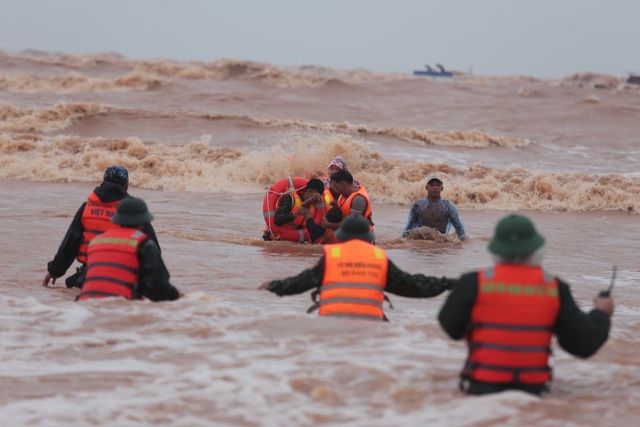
x: 355, y: 276
x: 96, y: 218
x: 300, y: 220
x: 113, y: 265
x: 319, y: 209
x: 512, y: 325
x: 345, y: 204
x: 294, y: 230
x: 328, y: 196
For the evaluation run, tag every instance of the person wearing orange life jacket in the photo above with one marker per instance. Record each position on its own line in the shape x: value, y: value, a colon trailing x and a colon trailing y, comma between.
x: 324, y: 236
x: 353, y: 199
x: 509, y: 313
x: 293, y: 209
x: 318, y: 210
x: 92, y: 218
x: 352, y: 277
x: 124, y: 262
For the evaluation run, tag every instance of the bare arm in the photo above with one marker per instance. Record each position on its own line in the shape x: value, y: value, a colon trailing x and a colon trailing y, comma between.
x: 358, y: 205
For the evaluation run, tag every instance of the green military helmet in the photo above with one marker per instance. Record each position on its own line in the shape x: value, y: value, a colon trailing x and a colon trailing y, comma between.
x: 515, y: 236
x: 132, y: 211
x: 354, y: 227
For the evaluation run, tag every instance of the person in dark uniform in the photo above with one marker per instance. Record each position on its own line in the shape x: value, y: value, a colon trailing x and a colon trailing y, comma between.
x: 353, y: 276
x: 124, y: 262
x: 508, y: 314
x: 92, y: 218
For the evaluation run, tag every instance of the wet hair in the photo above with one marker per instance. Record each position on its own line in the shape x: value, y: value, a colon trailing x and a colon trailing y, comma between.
x: 315, y: 184
x: 334, y: 215
x: 342, y: 176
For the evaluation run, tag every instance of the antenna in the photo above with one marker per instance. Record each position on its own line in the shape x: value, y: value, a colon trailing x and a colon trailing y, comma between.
x: 607, y: 293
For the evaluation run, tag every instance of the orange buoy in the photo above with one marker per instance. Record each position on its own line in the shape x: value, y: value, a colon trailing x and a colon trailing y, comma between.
x: 286, y: 186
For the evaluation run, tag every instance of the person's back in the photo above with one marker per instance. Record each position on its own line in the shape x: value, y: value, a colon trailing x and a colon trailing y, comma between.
x: 355, y: 277
x: 113, y: 266
x: 124, y: 262
x: 511, y: 325
x: 352, y: 276
x: 92, y: 218
x: 508, y: 314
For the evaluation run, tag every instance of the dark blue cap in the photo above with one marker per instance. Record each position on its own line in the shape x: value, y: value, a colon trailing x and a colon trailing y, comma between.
x: 117, y: 174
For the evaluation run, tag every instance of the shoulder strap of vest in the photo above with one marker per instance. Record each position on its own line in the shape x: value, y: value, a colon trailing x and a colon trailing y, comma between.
x: 386, y: 298
x: 489, y: 273
x: 384, y: 316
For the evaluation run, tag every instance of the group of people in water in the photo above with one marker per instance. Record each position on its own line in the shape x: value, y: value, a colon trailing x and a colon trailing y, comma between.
x: 507, y: 313
x: 300, y: 210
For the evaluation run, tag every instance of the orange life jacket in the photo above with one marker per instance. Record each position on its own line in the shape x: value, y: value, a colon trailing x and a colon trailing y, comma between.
x: 113, y: 265
x: 293, y: 232
x: 96, y: 218
x: 328, y: 196
x: 319, y: 209
x: 345, y: 204
x: 298, y: 221
x: 512, y: 325
x: 355, y: 276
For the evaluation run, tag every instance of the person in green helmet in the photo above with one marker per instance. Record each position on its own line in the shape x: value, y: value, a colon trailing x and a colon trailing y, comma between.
x: 124, y: 261
x: 508, y: 314
x: 92, y: 218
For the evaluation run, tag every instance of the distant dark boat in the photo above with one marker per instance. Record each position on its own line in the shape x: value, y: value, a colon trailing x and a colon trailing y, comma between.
x: 634, y: 79
x: 430, y: 72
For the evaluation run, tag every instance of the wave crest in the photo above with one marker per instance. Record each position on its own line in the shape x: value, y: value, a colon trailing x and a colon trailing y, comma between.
x: 196, y: 166
x: 48, y: 119
x: 75, y: 82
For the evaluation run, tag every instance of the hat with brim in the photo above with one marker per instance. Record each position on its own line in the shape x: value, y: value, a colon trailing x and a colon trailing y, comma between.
x: 515, y: 236
x: 436, y: 177
x: 354, y: 227
x: 132, y: 211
